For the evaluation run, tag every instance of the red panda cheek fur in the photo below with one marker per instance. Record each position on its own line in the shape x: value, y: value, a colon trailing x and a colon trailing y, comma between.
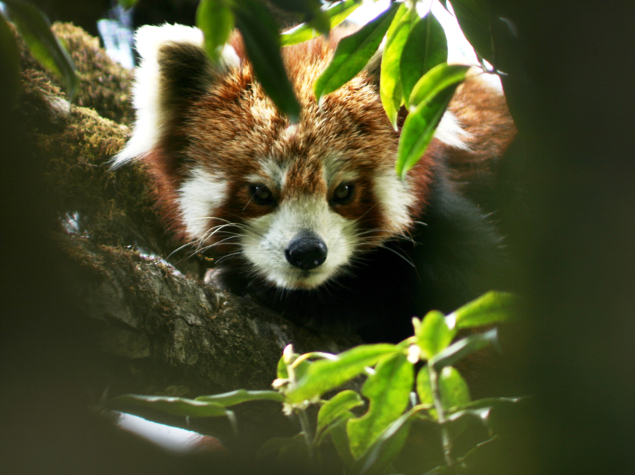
x: 392, y: 250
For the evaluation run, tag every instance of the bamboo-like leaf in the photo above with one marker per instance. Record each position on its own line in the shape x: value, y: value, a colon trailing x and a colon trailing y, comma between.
x: 260, y: 35
x: 434, y: 335
x: 492, y: 307
x: 464, y: 347
x: 425, y: 48
x: 10, y: 70
x: 388, y: 391
x: 428, y: 102
x: 43, y: 45
x: 353, y: 52
x: 336, y: 13
x: 240, y: 396
x: 390, y: 82
x: 216, y: 21
x: 324, y: 375
x: 337, y: 406
x: 175, y: 406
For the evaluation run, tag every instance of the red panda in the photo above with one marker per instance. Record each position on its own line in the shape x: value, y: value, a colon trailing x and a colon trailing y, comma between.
x: 311, y: 219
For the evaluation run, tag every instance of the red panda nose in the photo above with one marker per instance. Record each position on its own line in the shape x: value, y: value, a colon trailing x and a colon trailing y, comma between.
x: 306, y: 251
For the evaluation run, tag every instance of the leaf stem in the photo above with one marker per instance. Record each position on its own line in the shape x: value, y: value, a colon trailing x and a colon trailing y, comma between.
x: 306, y: 430
x: 438, y: 405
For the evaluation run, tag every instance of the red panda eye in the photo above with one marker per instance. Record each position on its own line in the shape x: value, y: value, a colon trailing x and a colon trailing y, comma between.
x: 261, y: 195
x: 343, y: 194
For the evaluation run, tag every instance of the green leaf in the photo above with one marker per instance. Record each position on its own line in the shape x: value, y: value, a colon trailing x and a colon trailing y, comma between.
x: 425, y: 48
x: 274, y: 445
x: 260, y: 35
x: 388, y: 391
x: 464, y: 347
x: 424, y: 387
x: 434, y: 335
x: 175, y: 406
x: 43, y: 45
x: 10, y: 70
x: 353, y: 52
x: 387, y: 446
x: 492, y: 307
x: 493, y: 402
x: 240, y: 396
x: 428, y: 102
x: 453, y: 389
x: 441, y: 77
x: 324, y: 375
x: 474, y: 20
x: 339, y: 437
x: 336, y: 13
x: 390, y: 82
x: 337, y: 406
x: 216, y: 21
x: 127, y: 3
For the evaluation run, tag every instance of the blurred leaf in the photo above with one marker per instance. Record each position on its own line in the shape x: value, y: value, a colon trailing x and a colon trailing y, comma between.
x: 424, y: 387
x: 127, y: 3
x: 492, y: 307
x: 464, y: 347
x: 274, y: 445
x: 341, y: 443
x: 336, y: 13
x: 353, y: 52
x: 43, y: 45
x: 260, y: 35
x: 216, y: 21
x: 390, y: 82
x: 493, y: 402
x: 10, y: 70
x: 240, y: 396
x: 453, y: 389
x: 425, y: 48
x: 428, y: 102
x: 388, y: 391
x: 337, y: 406
x: 324, y: 375
x: 387, y: 446
x: 474, y: 20
x: 433, y: 335
x: 175, y: 406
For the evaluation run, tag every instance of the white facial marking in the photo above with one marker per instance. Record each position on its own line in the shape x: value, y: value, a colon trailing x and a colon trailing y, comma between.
x: 450, y: 132
x: 199, y: 195
x: 267, y: 237
x: 395, y: 198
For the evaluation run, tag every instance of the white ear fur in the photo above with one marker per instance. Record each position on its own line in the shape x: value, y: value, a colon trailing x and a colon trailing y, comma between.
x: 146, y: 88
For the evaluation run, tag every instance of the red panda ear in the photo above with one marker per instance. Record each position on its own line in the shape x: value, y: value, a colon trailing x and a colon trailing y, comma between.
x: 173, y: 71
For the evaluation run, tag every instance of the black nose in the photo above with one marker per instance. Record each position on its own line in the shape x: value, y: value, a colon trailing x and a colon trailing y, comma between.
x: 306, y: 251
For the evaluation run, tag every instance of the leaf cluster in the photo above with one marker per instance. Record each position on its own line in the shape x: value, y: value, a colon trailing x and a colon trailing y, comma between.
x: 413, y: 383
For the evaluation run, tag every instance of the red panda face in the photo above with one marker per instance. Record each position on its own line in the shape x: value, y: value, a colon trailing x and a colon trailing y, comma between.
x: 298, y: 203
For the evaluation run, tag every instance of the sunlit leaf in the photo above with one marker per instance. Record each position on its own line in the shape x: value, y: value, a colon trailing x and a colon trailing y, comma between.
x: 43, y: 45
x: 216, y: 21
x: 428, y: 102
x: 425, y: 48
x: 474, y: 19
x: 336, y: 13
x: 424, y: 387
x: 10, y: 70
x: 353, y: 52
x: 240, y: 396
x: 388, y: 391
x: 453, y: 388
x: 324, y: 375
x: 492, y: 307
x: 387, y: 446
x: 175, y: 406
x: 260, y: 35
x: 390, y: 82
x: 464, y: 347
x: 433, y: 335
x: 336, y: 407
